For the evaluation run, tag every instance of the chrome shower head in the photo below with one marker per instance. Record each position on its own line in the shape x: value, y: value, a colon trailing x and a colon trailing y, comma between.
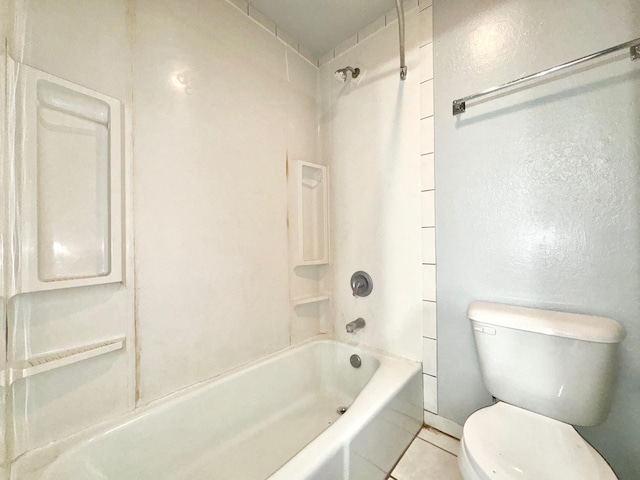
x: 341, y: 74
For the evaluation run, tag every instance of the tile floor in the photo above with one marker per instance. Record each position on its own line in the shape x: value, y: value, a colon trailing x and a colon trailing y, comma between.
x: 433, y: 455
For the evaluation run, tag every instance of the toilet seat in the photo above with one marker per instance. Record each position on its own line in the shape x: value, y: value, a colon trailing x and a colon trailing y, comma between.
x: 506, y: 442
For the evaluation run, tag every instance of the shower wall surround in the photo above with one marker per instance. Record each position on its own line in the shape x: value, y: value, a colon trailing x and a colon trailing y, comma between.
x: 370, y: 130
x: 216, y: 116
x: 75, y: 57
x: 539, y: 188
x: 219, y: 112
x: 4, y: 418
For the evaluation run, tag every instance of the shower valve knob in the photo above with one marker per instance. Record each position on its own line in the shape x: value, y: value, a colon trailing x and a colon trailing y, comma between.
x: 361, y: 284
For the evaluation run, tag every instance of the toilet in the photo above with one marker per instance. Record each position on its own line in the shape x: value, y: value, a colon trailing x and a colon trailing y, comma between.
x: 547, y: 371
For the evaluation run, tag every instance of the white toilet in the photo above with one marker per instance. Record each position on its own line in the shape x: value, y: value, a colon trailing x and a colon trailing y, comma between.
x: 548, y: 370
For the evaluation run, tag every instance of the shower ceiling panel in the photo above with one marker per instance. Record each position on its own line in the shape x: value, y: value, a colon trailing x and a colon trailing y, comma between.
x: 320, y: 25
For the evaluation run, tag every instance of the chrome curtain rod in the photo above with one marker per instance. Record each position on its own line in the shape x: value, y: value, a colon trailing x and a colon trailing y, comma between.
x: 403, y: 65
x: 460, y: 105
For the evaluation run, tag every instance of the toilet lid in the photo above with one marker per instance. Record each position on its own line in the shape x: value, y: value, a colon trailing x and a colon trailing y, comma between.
x: 507, y: 442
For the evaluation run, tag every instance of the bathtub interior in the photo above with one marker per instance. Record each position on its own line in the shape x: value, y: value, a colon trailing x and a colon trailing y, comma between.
x: 243, y: 426
x: 371, y: 452
x: 374, y: 450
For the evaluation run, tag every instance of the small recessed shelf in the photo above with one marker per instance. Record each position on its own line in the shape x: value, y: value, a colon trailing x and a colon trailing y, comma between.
x: 310, y: 221
x: 69, y: 220
x: 320, y: 297
x: 62, y: 358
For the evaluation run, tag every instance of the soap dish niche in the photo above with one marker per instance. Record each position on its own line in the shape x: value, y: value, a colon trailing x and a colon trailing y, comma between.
x: 310, y: 214
x: 69, y: 219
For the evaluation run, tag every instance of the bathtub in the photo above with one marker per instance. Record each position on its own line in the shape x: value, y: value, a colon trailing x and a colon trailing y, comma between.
x: 277, y: 419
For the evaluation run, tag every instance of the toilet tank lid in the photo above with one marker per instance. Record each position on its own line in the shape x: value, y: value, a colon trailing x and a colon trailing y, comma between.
x: 576, y: 326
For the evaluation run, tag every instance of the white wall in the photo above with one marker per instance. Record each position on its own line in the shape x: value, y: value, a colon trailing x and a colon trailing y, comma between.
x: 211, y: 188
x: 85, y: 42
x: 4, y: 33
x: 216, y: 107
x: 538, y: 199
x: 210, y: 193
x: 371, y: 138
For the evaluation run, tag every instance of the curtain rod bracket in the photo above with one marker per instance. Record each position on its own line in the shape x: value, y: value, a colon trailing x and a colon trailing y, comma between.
x: 459, y: 107
x: 403, y: 65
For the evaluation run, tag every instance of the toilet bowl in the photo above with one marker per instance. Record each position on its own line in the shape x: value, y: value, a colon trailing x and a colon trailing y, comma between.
x: 506, y: 442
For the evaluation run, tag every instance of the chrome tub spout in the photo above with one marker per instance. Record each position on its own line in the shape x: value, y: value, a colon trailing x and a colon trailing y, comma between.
x: 353, y: 327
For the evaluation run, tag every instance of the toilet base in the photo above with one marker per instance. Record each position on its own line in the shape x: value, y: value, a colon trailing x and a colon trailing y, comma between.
x: 465, y: 465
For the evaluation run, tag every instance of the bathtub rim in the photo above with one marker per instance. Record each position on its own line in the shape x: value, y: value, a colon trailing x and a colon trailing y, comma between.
x: 368, y: 404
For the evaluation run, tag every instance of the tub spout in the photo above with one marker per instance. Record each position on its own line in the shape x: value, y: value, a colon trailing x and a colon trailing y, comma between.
x: 353, y: 327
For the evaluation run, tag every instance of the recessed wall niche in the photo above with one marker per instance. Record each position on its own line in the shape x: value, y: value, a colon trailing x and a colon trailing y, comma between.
x: 68, y: 156
x: 311, y: 218
x: 309, y: 249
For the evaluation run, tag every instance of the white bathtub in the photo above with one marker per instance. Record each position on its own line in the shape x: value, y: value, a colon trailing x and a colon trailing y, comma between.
x: 275, y: 419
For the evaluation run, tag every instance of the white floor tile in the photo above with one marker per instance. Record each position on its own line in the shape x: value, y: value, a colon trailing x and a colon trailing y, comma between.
x: 424, y: 461
x: 439, y: 439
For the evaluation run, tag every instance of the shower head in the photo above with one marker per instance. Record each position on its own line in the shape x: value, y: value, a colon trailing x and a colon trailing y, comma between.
x: 341, y: 74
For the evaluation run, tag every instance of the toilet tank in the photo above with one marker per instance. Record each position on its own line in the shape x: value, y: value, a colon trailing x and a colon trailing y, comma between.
x: 561, y: 365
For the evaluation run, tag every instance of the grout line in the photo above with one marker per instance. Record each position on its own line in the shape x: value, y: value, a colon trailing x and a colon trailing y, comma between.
x: 315, y: 63
x: 387, y: 23
x: 430, y: 427
x: 425, y: 44
x: 433, y: 444
x: 427, y: 263
x: 430, y: 338
x: 405, y: 452
x: 427, y: 80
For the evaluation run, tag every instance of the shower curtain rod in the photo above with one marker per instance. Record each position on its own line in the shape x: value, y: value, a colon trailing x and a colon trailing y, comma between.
x: 400, y: 10
x: 460, y: 105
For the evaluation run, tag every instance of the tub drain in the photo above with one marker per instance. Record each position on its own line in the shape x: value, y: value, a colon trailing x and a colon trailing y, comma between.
x: 341, y: 410
x: 356, y: 361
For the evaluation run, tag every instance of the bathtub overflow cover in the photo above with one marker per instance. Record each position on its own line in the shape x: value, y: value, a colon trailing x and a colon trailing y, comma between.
x: 356, y: 361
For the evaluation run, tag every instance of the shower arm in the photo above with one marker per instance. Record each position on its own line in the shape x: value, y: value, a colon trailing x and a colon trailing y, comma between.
x: 400, y: 10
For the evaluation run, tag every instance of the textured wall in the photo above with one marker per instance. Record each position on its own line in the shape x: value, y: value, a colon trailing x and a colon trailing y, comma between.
x: 538, y: 191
